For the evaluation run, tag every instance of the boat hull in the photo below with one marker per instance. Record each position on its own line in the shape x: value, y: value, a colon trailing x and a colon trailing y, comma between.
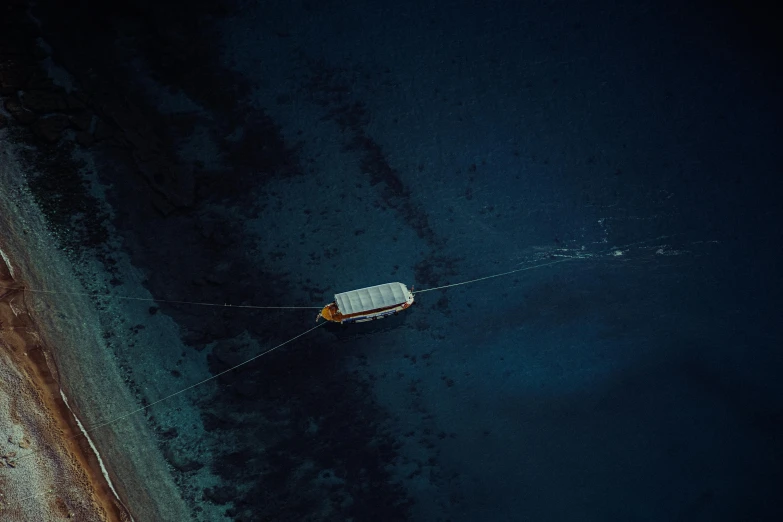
x: 332, y: 312
x: 380, y: 314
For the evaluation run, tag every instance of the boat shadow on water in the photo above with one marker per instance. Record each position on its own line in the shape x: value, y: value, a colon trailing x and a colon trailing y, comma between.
x: 355, y: 331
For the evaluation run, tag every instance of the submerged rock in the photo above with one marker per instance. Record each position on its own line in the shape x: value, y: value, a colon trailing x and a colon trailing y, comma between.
x: 51, y: 128
x: 18, y: 111
x: 84, y: 139
x: 82, y: 120
x: 227, y: 353
x: 44, y: 102
x: 13, y: 79
x: 181, y: 461
x: 219, y: 494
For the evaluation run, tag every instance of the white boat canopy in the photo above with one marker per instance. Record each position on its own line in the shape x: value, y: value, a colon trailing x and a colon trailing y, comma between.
x: 371, y: 298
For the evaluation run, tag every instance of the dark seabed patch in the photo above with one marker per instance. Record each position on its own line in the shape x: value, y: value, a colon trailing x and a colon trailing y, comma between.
x: 658, y: 343
x: 297, y: 437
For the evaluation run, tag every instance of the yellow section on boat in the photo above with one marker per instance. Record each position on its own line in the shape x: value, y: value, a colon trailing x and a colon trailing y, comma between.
x: 326, y: 313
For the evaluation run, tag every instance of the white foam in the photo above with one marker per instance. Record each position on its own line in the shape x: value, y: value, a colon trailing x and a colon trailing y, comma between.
x: 92, y: 445
x: 7, y: 262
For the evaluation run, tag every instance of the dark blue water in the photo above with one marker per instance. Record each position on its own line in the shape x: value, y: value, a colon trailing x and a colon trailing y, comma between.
x: 311, y: 148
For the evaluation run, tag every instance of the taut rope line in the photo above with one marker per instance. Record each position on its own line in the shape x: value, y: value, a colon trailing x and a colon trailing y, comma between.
x: 226, y: 305
x: 497, y: 275
x: 613, y: 250
x: 171, y: 301
x: 183, y: 390
x: 121, y: 417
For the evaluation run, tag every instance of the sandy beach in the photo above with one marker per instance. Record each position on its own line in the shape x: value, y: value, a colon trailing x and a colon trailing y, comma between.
x: 49, y: 470
x: 51, y: 351
x: 584, y: 197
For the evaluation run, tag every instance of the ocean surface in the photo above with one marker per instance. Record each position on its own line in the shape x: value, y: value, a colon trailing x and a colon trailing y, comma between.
x: 623, y: 162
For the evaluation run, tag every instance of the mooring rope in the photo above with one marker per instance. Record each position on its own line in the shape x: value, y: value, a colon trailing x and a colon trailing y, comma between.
x: 183, y: 390
x: 227, y: 305
x: 171, y: 395
x: 152, y: 299
x: 497, y: 275
x: 616, y: 252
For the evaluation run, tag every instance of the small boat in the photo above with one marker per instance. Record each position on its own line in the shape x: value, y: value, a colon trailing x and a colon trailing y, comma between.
x: 367, y: 304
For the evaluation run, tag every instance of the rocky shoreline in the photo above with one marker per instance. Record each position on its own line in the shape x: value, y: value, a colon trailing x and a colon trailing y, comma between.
x: 49, y: 468
x: 56, y: 119
x: 55, y: 472
x: 166, y: 201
